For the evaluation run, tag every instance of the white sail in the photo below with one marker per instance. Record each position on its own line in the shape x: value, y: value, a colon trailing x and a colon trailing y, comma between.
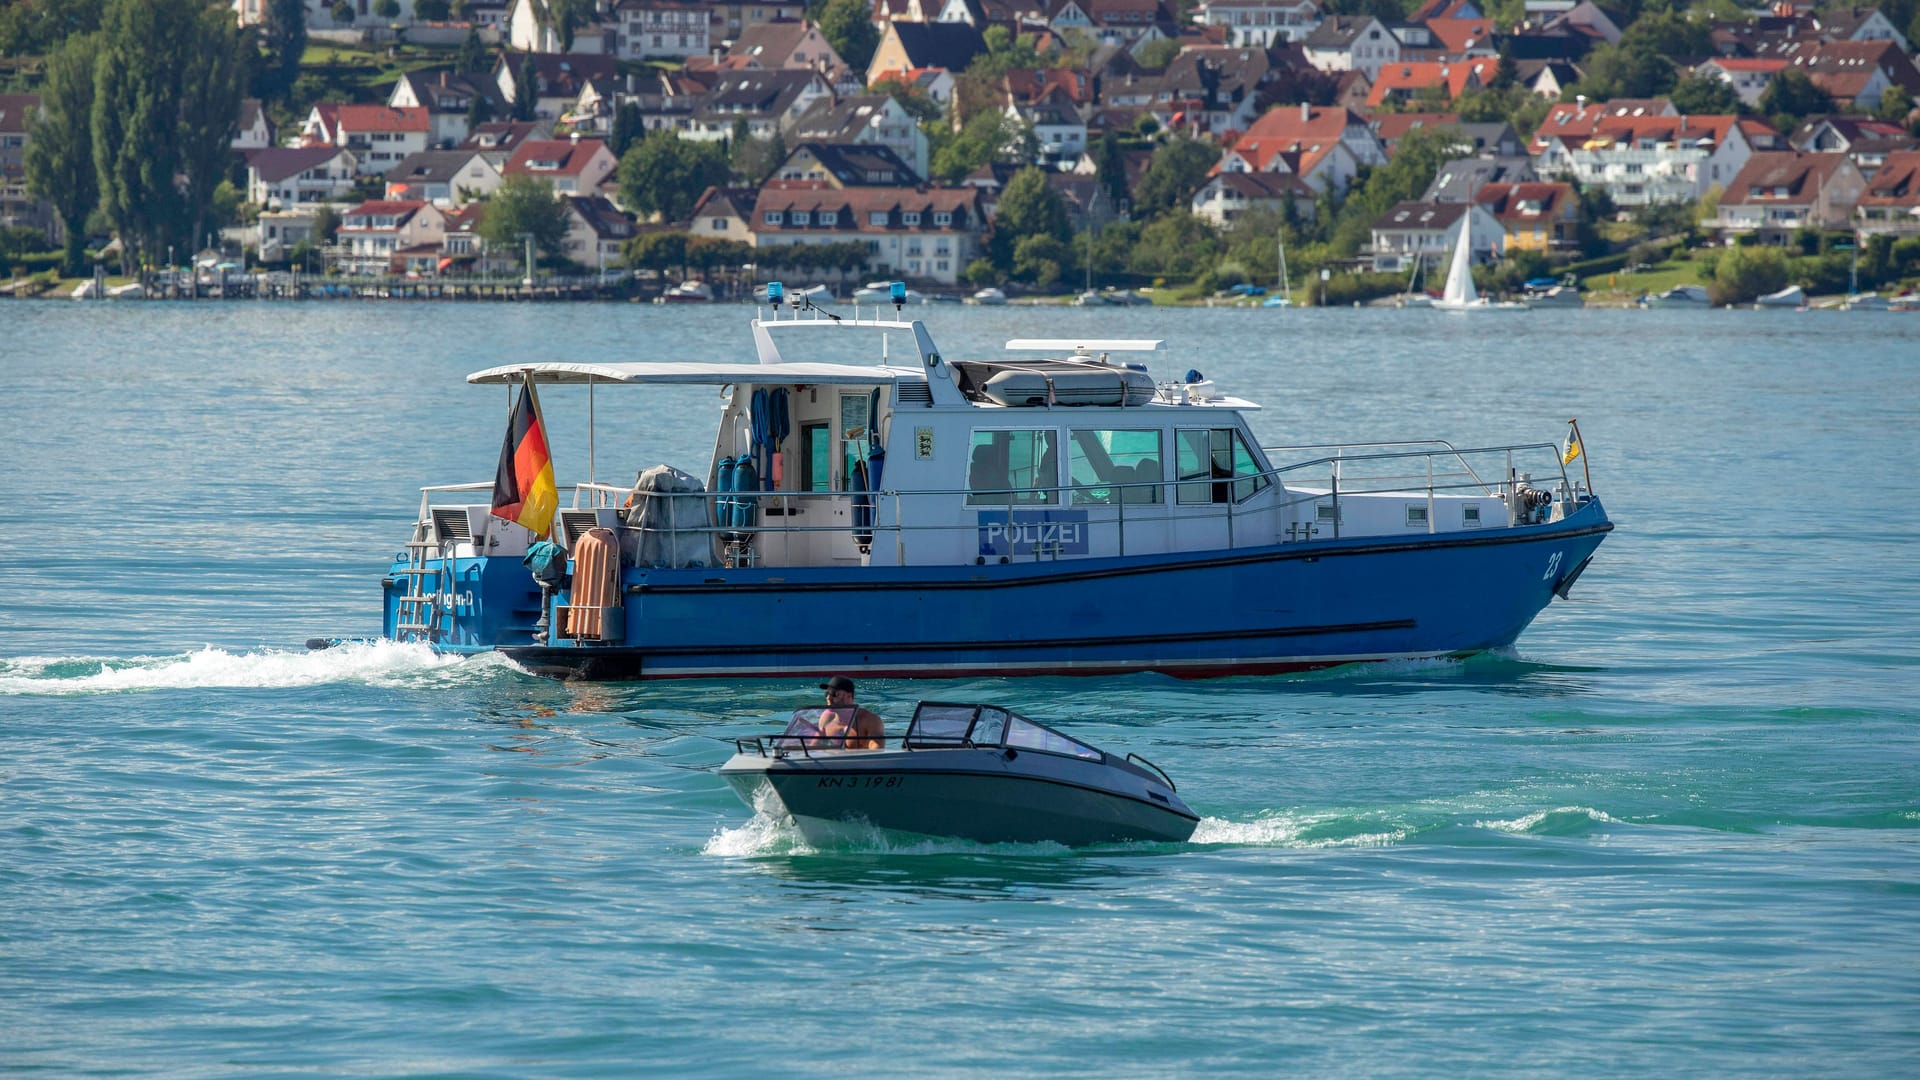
x: 1460, y: 291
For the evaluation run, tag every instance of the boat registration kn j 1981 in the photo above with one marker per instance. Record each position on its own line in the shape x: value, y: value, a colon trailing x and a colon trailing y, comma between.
x: 1053, y: 511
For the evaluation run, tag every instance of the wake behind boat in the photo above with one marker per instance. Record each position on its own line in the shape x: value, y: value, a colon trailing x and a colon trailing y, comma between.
x: 975, y: 772
x: 1053, y: 511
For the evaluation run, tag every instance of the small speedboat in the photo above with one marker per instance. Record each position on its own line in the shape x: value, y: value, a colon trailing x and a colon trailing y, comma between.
x: 988, y: 297
x: 1793, y: 296
x: 973, y: 772
x: 690, y: 291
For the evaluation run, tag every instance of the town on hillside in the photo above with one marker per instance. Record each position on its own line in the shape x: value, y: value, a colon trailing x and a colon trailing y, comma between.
x: 1104, y: 150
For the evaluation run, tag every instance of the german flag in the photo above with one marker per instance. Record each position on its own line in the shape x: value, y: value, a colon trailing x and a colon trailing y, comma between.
x: 523, y: 488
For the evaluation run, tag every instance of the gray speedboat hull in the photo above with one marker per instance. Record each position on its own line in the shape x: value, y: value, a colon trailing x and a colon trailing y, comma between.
x: 989, y: 795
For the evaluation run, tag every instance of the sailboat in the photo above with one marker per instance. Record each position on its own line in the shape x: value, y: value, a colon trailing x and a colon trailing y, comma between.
x: 1285, y: 299
x: 1460, y: 294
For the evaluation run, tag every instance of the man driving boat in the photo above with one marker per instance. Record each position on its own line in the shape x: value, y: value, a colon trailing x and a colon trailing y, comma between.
x: 848, y: 725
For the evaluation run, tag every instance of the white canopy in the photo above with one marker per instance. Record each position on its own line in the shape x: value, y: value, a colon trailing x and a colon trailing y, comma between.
x: 689, y: 373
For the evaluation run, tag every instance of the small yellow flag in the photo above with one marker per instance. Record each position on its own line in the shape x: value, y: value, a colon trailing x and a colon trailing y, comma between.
x: 1573, y: 447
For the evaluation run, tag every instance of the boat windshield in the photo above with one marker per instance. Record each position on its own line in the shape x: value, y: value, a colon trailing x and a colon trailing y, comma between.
x: 936, y: 724
x: 1028, y: 735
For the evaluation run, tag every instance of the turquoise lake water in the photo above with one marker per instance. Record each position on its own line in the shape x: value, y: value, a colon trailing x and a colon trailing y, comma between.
x: 1676, y: 831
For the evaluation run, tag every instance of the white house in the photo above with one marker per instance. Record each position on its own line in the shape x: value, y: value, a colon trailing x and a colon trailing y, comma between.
x: 287, y: 177
x: 1426, y: 232
x: 1263, y: 22
x: 374, y: 233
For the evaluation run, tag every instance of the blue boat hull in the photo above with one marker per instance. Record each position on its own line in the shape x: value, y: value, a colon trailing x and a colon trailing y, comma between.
x: 1286, y: 607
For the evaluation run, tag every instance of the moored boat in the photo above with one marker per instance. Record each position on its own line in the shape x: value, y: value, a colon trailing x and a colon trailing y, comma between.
x: 988, y: 297
x: 958, y: 525
x: 690, y: 291
x: 1681, y: 296
x: 1793, y: 297
x: 973, y: 772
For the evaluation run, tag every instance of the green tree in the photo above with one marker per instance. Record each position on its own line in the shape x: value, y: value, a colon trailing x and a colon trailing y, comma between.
x: 473, y: 53
x: 568, y: 17
x: 1110, y: 170
x: 1669, y: 35
x: 40, y: 27
x: 629, y: 125
x: 1895, y: 104
x: 656, y: 251
x: 1156, y: 55
x: 326, y: 223
x: 1792, y: 97
x: 167, y: 92
x: 432, y: 10
x: 1746, y: 273
x: 1028, y: 207
x: 1177, y: 170
x: 988, y: 136
x: 526, y: 89
x: 1704, y: 95
x: 918, y: 103
x: 848, y: 27
x: 1175, y: 245
x: 59, y: 155
x: 342, y: 12
x: 386, y: 9
x: 479, y: 111
x: 665, y: 174
x: 283, y: 40
x: 1615, y: 71
x: 524, y: 206
x: 1041, y: 260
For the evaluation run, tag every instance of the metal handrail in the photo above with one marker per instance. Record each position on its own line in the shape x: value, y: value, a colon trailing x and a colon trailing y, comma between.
x: 1164, y: 506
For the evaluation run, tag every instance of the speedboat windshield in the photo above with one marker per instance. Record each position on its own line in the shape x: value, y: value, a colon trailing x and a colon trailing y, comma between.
x: 937, y: 724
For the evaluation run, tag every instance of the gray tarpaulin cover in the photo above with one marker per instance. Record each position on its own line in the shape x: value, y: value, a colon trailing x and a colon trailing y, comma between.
x: 670, y: 508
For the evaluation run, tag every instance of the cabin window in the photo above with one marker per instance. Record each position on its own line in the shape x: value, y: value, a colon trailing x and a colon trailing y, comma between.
x: 1004, y: 467
x: 816, y: 457
x: 1114, y: 466
x: 1215, y: 466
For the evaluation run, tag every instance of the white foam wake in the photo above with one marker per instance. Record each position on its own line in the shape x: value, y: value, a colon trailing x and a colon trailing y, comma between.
x: 375, y: 663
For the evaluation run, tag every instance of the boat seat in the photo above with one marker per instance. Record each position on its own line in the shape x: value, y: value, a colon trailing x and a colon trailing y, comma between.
x: 987, y: 473
x: 1147, y: 471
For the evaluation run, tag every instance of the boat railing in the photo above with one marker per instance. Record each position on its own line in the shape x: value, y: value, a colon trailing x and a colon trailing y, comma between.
x: 775, y: 746
x: 733, y: 520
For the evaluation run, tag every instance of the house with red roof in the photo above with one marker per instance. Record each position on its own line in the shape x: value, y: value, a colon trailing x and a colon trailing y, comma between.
x: 380, y: 136
x: 928, y: 234
x: 379, y: 235
x: 573, y: 166
x: 1643, y: 153
x: 1534, y: 216
x: 1856, y: 73
x: 1779, y: 192
x: 1891, y: 202
x: 1463, y: 39
x: 1404, y: 81
x: 1323, y: 146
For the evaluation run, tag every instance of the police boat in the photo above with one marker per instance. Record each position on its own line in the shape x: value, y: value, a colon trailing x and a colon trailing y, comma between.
x: 967, y: 771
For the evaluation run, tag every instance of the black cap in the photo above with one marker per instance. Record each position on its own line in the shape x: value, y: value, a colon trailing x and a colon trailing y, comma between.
x: 838, y: 682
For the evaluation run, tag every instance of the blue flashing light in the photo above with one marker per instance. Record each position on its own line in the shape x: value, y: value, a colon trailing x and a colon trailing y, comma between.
x: 898, y: 291
x: 775, y: 293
